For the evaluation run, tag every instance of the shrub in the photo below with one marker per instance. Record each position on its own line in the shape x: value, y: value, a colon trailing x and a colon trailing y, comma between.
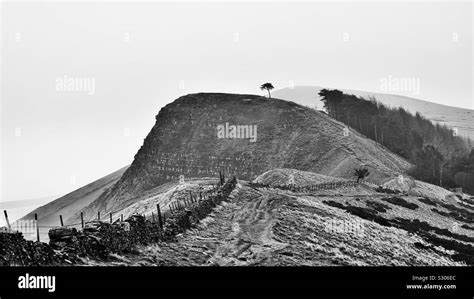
x: 400, y: 202
x: 427, y: 201
x: 379, y: 207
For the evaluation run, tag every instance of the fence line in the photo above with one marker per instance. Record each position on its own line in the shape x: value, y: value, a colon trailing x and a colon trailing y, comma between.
x: 307, y: 188
x: 32, y: 226
x: 192, y: 199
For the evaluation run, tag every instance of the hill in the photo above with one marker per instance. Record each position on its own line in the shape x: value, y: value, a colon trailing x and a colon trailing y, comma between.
x: 453, y: 117
x: 344, y: 224
x: 185, y: 141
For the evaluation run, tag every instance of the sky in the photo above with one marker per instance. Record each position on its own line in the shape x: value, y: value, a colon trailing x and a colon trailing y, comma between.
x: 133, y: 58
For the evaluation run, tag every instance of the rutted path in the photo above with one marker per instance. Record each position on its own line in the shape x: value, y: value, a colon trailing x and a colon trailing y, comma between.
x: 238, y: 232
x: 250, y: 239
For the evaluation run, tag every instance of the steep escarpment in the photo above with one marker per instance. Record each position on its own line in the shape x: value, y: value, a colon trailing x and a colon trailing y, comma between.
x: 193, y: 136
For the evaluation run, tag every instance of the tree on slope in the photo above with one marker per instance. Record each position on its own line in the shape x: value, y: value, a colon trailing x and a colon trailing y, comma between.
x: 361, y: 173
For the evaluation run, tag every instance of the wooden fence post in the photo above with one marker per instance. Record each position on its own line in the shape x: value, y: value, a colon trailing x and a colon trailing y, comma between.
x: 111, y: 218
x: 37, y: 228
x: 121, y: 217
x: 61, y: 220
x: 159, y: 216
x: 82, y: 220
x: 6, y: 219
x: 98, y: 215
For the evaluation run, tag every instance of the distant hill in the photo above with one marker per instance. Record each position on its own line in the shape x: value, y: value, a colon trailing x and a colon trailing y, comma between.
x: 453, y: 117
x: 70, y: 203
x: 17, y: 209
x: 25, y: 203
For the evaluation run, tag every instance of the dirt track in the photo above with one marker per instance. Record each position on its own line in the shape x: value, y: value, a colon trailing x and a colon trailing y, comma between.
x: 250, y: 239
x: 274, y: 227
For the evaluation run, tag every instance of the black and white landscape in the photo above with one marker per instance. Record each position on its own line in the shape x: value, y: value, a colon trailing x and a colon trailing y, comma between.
x: 237, y: 134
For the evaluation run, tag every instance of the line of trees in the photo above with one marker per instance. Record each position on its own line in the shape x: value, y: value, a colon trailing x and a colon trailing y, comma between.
x: 438, y: 155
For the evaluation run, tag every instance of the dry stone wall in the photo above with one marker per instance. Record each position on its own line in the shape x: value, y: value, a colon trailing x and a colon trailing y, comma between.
x: 98, y: 239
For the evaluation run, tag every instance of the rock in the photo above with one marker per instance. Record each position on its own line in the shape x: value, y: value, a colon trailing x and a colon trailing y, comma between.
x: 61, y: 233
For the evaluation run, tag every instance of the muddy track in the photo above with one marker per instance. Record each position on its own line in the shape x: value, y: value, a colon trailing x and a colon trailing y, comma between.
x: 238, y: 232
x: 250, y: 240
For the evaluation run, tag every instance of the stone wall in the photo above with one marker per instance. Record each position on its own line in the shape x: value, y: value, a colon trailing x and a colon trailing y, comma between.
x: 98, y: 239
x: 16, y: 251
x: 183, y: 219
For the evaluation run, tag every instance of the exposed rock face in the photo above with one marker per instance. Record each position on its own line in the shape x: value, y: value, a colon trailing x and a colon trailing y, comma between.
x: 185, y: 140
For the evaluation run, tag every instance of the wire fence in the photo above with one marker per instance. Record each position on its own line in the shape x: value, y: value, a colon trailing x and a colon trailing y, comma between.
x: 307, y: 188
x: 32, y: 229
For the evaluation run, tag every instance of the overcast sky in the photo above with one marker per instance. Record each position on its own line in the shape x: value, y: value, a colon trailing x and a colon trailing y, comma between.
x: 142, y: 56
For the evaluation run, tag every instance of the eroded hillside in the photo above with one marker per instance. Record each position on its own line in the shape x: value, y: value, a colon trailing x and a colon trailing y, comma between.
x: 184, y: 141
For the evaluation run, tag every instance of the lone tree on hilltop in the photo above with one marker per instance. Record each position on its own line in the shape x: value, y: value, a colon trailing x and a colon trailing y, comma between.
x: 267, y: 86
x: 361, y: 173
